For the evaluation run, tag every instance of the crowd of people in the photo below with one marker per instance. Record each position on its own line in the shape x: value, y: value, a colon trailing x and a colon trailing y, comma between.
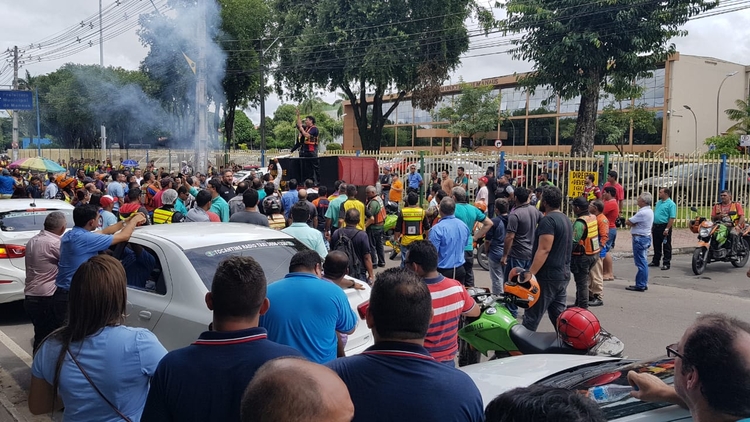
x: 268, y: 356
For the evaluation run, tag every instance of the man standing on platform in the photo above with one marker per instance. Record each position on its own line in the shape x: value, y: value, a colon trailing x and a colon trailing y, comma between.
x: 310, y: 145
x: 664, y: 215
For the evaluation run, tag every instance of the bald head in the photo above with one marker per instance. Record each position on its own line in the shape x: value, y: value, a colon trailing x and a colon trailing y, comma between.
x: 302, y: 195
x: 336, y: 265
x: 296, y: 390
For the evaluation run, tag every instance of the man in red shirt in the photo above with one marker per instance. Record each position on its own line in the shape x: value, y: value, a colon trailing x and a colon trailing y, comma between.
x: 612, y: 181
x: 611, y: 212
x: 450, y: 301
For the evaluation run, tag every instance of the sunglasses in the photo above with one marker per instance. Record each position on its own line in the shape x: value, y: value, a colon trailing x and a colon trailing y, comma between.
x: 672, y: 352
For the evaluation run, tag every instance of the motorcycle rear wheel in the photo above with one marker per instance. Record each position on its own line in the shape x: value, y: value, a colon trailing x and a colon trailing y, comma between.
x: 467, y: 355
x: 699, y: 262
x: 482, y: 258
x: 739, y: 263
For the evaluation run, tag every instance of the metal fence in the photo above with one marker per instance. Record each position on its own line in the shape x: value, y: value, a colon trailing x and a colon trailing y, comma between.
x: 695, y: 181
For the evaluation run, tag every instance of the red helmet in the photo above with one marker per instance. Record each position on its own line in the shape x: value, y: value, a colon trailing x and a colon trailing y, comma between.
x: 523, y: 285
x: 579, y: 328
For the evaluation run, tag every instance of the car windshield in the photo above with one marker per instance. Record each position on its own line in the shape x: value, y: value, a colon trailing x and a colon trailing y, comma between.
x: 30, y: 219
x: 682, y: 170
x: 582, y: 378
x: 272, y: 255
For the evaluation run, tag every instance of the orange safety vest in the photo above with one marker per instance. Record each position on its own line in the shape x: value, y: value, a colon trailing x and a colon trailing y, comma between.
x: 589, y: 243
x: 380, y: 216
x: 732, y: 208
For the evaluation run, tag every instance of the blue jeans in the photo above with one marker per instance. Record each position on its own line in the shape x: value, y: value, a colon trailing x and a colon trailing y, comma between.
x: 497, y: 275
x: 404, y: 250
x: 640, y: 256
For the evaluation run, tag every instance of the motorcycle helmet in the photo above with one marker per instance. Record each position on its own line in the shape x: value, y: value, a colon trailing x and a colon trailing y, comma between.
x: 481, y: 205
x: 578, y: 328
x: 391, y: 207
x: 523, y: 285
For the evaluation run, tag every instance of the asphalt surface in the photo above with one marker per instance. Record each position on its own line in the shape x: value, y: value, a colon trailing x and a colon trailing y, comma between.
x: 646, y: 322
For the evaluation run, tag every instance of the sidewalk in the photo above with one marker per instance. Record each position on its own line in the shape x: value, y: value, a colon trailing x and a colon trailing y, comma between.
x: 683, y: 242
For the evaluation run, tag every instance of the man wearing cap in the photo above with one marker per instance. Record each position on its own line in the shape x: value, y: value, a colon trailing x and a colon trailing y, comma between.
x: 482, y: 194
x: 7, y: 185
x: 385, y: 180
x: 106, y: 217
x: 413, y: 179
x: 585, y: 249
x: 166, y: 183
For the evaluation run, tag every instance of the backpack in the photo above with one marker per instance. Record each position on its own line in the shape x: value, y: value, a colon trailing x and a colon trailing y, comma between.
x: 346, y: 245
x: 272, y: 205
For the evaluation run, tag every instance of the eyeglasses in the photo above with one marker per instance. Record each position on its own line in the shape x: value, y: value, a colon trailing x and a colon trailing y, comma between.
x: 672, y: 352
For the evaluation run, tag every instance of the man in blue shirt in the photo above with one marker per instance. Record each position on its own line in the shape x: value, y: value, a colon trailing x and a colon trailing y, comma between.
x: 7, y: 185
x: 80, y: 244
x: 116, y: 190
x: 470, y: 215
x: 413, y: 179
x: 290, y: 197
x: 307, y: 311
x: 665, y: 213
x: 449, y: 236
x: 224, y: 359
x: 397, y: 379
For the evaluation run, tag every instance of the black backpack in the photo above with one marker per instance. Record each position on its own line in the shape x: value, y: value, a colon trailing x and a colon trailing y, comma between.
x: 346, y: 245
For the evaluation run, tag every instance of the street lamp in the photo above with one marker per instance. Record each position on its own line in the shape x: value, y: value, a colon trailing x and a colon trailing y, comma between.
x: 695, y: 119
x: 729, y: 75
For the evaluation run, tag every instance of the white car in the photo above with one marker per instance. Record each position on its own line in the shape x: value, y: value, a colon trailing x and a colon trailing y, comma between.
x: 579, y: 373
x: 170, y: 268
x: 20, y: 220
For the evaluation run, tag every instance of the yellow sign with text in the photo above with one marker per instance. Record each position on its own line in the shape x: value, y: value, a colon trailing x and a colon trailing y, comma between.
x: 577, y: 181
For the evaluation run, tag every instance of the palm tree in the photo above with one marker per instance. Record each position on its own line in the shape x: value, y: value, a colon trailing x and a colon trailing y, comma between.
x: 741, y: 115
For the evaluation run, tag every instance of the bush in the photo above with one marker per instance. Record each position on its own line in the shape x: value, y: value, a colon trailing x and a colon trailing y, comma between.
x: 333, y: 146
x: 723, y: 144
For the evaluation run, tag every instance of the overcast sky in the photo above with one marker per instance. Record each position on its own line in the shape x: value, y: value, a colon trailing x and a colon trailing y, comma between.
x: 724, y: 37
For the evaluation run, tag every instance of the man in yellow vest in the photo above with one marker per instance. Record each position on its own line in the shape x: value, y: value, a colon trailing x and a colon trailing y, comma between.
x: 585, y: 249
x: 412, y: 225
x: 353, y: 202
x: 166, y: 214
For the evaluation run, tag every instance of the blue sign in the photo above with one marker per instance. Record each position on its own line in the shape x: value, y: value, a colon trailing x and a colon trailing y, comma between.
x: 16, y: 100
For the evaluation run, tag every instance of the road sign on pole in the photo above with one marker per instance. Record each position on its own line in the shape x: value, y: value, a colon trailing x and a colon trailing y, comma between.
x: 16, y: 100
x: 745, y: 140
x: 498, y: 143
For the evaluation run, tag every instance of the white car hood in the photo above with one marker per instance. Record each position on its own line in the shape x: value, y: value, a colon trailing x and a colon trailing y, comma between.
x: 497, y: 376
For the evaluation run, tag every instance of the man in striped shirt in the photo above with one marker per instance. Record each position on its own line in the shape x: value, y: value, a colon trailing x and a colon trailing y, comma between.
x: 450, y: 301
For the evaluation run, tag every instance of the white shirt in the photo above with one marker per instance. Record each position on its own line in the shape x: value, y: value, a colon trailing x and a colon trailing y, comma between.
x: 483, y: 195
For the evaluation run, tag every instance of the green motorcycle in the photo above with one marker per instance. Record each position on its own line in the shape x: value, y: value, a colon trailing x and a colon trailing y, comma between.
x: 496, y: 329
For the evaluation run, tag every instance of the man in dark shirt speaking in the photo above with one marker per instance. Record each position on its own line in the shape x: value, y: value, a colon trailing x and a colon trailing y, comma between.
x: 309, y: 147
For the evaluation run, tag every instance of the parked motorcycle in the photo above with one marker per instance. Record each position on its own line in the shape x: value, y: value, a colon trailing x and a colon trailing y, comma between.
x: 391, y: 209
x: 714, y: 243
x: 479, y: 252
x: 497, y: 330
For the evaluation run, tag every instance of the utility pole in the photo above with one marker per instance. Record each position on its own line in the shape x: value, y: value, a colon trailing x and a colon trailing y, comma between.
x: 101, y: 37
x: 15, y: 112
x: 201, y: 130
x: 262, y: 108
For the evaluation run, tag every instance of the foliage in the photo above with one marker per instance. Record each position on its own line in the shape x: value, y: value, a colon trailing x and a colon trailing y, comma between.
x: 613, y: 124
x: 366, y: 48
x: 333, y: 146
x: 579, y: 47
x: 741, y: 115
x: 723, y: 144
x: 244, y: 131
x: 474, y: 113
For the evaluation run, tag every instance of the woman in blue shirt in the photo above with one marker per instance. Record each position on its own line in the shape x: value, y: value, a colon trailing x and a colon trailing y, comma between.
x: 100, y: 367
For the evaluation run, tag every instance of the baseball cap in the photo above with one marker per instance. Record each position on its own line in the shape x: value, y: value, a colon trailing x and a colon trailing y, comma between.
x: 484, y: 179
x: 580, y: 202
x: 106, y: 201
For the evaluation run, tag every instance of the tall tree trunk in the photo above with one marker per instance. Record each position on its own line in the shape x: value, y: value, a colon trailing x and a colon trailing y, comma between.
x: 229, y: 124
x: 583, y: 139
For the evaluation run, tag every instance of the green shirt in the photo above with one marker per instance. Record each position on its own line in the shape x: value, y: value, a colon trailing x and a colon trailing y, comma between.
x: 579, y: 227
x: 373, y: 208
x: 333, y: 209
x: 220, y: 207
x: 470, y: 215
x: 665, y: 210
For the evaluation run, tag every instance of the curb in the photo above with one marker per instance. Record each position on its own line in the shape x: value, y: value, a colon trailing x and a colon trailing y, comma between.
x: 685, y: 250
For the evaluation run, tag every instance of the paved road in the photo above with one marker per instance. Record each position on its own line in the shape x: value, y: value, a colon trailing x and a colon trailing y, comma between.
x: 646, y: 322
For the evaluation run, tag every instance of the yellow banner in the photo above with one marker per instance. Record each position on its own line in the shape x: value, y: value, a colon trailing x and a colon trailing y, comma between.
x: 577, y: 181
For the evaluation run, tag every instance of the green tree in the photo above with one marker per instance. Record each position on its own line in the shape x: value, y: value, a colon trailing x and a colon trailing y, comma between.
x: 614, y: 124
x: 474, y: 113
x: 741, y: 115
x: 244, y: 131
x: 579, y: 47
x: 366, y: 48
x: 723, y: 144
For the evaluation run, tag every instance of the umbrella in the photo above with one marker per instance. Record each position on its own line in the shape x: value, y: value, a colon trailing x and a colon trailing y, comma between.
x: 130, y: 163
x: 38, y: 164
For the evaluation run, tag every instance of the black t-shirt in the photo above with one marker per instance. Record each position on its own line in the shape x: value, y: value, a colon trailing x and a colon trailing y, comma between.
x: 491, y: 187
x: 557, y: 266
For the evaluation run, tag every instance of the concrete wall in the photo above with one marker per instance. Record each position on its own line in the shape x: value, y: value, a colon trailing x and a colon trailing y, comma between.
x: 695, y: 81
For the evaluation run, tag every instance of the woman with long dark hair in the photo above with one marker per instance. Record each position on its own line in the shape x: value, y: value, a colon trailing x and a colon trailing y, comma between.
x: 100, y: 368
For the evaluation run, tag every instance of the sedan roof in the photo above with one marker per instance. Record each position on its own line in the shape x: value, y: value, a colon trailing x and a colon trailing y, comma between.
x: 200, y: 235
x: 26, y: 203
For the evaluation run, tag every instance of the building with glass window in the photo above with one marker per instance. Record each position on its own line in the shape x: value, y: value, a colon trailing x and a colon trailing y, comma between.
x: 684, y: 94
